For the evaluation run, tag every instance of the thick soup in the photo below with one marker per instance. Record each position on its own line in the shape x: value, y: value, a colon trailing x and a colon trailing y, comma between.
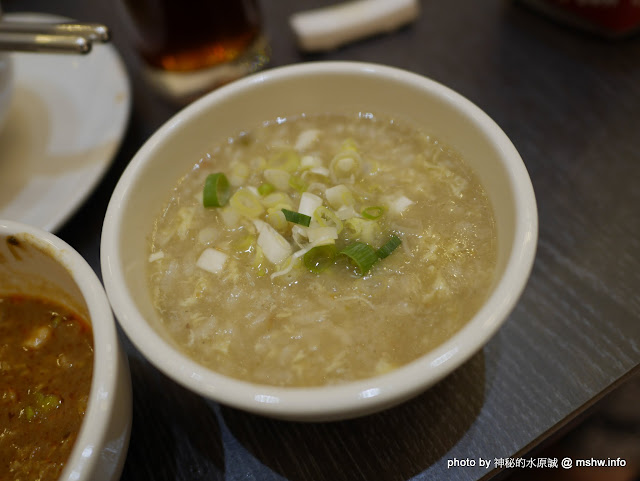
x: 46, y: 362
x: 321, y: 249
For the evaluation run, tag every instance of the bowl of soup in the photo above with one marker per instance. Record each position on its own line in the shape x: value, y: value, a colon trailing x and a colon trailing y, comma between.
x: 65, y: 395
x: 319, y: 241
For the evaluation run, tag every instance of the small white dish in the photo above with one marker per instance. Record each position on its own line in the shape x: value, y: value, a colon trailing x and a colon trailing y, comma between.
x: 41, y: 265
x: 66, y: 120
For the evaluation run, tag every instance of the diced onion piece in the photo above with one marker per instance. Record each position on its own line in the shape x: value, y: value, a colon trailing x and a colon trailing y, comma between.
x: 320, y: 234
x: 400, y: 204
x: 296, y: 217
x: 260, y: 225
x: 321, y: 171
x: 277, y: 199
x: 310, y: 162
x: 156, y: 256
x: 319, y: 258
x: 207, y: 234
x: 309, y: 203
x: 254, y: 190
x: 212, y: 260
x: 216, y: 190
x: 339, y: 196
x: 346, y: 212
x: 245, y: 202
x: 362, y: 255
x: 306, y: 139
x: 230, y: 217
x: 276, y: 219
x: 275, y: 247
x: 388, y: 247
x: 38, y: 337
x: 278, y: 177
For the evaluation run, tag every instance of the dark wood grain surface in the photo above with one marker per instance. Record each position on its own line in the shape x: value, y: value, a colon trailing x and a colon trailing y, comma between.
x: 570, y: 102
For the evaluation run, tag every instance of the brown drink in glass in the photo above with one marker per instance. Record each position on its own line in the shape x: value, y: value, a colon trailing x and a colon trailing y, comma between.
x: 191, y: 47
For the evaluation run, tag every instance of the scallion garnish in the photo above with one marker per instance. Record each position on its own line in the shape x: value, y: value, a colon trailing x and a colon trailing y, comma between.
x: 216, y: 191
x: 362, y: 255
x: 296, y: 217
x: 389, y: 247
x: 319, y: 258
x: 373, y: 213
x: 298, y: 184
x: 266, y: 189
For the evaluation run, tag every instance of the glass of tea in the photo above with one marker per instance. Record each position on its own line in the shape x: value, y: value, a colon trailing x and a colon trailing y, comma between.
x: 191, y: 47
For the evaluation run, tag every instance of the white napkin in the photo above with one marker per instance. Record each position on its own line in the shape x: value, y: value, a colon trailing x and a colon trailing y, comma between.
x: 330, y: 27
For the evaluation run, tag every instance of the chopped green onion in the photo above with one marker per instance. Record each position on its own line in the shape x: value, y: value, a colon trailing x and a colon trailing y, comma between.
x: 298, y: 184
x: 296, y: 217
x: 362, y: 255
x: 266, y: 189
x: 216, y: 190
x: 47, y: 402
x: 29, y: 412
x: 287, y: 160
x: 389, y: 247
x: 276, y: 219
x: 373, y: 213
x: 319, y: 258
x: 245, y: 202
x: 325, y: 217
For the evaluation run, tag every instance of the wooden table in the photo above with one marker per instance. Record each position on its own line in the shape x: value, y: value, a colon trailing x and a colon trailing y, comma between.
x: 570, y: 102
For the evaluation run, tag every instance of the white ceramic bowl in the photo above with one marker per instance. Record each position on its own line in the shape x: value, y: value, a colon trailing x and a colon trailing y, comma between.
x: 48, y: 267
x: 313, y: 88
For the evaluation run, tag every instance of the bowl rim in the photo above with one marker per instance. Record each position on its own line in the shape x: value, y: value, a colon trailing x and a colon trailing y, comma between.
x: 86, y: 452
x: 353, y: 398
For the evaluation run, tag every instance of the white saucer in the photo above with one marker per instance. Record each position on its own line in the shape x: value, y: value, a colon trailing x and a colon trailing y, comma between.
x: 67, y: 119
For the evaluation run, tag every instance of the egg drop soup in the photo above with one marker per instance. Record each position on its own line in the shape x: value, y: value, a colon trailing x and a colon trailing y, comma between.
x: 331, y: 248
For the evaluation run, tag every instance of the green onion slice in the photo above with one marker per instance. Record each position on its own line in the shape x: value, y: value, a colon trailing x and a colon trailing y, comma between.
x: 298, y: 184
x: 373, y: 213
x: 319, y: 258
x: 266, y: 189
x: 216, y: 191
x: 296, y: 217
x: 389, y: 247
x: 362, y: 255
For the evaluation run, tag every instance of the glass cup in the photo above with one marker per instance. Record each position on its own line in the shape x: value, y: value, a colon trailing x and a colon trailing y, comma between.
x: 190, y: 48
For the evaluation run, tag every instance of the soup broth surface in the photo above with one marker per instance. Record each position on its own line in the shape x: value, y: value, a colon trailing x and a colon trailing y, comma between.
x: 253, y: 312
